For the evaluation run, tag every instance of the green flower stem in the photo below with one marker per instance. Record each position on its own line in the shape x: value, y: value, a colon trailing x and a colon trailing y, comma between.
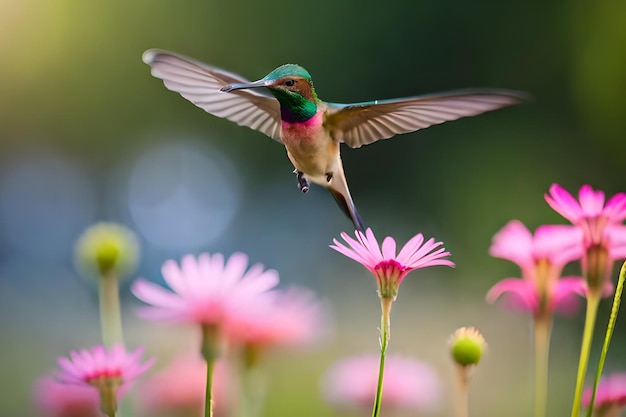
x: 609, y: 334
x: 110, y: 315
x: 543, y: 328
x: 385, y: 304
x: 210, y: 353
x: 208, y: 405
x: 593, y: 300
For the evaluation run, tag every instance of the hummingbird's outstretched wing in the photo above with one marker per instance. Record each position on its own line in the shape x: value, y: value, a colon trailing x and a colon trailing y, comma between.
x: 200, y: 83
x: 362, y: 123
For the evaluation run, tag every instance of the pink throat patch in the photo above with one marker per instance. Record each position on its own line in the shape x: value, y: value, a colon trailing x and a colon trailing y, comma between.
x: 313, y: 121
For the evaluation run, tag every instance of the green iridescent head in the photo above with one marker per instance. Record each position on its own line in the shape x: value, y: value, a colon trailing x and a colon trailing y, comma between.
x: 288, y: 70
x: 293, y: 88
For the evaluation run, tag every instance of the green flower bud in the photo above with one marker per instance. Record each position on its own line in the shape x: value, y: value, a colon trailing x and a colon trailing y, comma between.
x: 467, y: 346
x: 106, y: 248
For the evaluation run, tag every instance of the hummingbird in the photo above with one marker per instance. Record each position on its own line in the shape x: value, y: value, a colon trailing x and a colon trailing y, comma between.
x: 285, y: 106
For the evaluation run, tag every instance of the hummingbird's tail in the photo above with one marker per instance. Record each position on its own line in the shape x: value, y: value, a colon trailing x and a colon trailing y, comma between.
x: 338, y: 187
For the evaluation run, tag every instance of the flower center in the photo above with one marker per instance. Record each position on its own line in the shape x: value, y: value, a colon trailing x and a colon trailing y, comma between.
x: 389, y: 274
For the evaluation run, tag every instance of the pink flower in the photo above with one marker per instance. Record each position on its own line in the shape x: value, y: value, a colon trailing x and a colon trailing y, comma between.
x: 55, y: 399
x: 388, y: 268
x: 180, y: 389
x: 541, y: 258
x: 109, y: 370
x: 408, y: 384
x: 601, y: 228
x: 611, y: 392
x: 101, y: 364
x: 290, y: 318
x: 590, y: 205
x: 206, y: 290
x: 589, y: 212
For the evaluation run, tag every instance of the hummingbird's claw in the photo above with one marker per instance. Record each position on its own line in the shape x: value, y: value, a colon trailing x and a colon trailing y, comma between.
x: 303, y: 183
x: 329, y: 176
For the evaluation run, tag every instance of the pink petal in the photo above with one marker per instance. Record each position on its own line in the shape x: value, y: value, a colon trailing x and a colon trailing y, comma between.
x: 567, y: 293
x: 371, y: 244
x: 389, y: 248
x: 617, y: 242
x: 352, y: 254
x: 615, y: 208
x: 514, y: 242
x: 409, y: 248
x: 559, y: 244
x: 156, y: 295
x: 564, y: 204
x: 524, y: 294
x: 173, y: 277
x: 591, y: 202
x: 236, y: 267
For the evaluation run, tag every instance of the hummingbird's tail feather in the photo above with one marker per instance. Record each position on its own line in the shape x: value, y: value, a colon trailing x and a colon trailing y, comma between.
x: 338, y: 187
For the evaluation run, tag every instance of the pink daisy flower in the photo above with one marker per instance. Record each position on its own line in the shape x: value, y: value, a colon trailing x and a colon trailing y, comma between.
x: 179, y: 389
x: 589, y: 212
x: 205, y: 290
x: 388, y: 268
x: 611, y: 394
x: 55, y: 399
x: 109, y: 370
x: 541, y: 258
x: 601, y: 228
x: 290, y: 318
x: 409, y: 384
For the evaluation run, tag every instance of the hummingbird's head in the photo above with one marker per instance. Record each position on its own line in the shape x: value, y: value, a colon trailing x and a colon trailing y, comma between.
x: 287, y: 82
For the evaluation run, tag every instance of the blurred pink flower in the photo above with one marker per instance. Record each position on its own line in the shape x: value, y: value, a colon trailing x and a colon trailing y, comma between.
x: 205, y: 290
x: 102, y: 366
x: 56, y: 399
x: 611, y: 393
x: 388, y: 268
x: 589, y: 212
x: 284, y: 318
x: 109, y: 370
x: 408, y: 384
x: 179, y: 390
x: 541, y: 258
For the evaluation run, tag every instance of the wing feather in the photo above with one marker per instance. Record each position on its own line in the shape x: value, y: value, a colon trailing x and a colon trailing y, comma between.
x: 200, y: 83
x: 363, y: 123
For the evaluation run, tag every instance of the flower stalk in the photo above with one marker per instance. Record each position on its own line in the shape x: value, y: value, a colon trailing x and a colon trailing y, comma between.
x: 110, y: 314
x: 543, y: 327
x: 609, y: 334
x: 385, y: 324
x: 593, y: 301
x: 210, y: 352
x: 462, y: 395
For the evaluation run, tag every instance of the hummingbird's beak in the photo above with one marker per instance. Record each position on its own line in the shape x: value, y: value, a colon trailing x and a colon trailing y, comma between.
x: 257, y: 84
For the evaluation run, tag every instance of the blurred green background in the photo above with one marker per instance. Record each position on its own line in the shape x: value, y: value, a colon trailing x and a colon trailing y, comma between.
x: 86, y: 134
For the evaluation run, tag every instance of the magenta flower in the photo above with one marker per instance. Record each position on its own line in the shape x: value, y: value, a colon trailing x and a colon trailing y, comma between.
x: 179, y: 389
x: 388, y: 268
x: 109, y: 370
x: 610, y: 396
x: 589, y: 212
x: 409, y: 384
x: 541, y: 258
x: 55, y: 399
x: 290, y: 318
x: 601, y: 228
x: 206, y: 290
